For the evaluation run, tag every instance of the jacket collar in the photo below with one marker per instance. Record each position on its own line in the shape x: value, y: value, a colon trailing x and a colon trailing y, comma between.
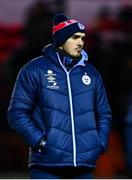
x: 83, y: 59
x: 51, y: 51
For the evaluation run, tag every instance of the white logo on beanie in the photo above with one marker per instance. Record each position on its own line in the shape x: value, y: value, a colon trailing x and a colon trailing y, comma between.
x: 81, y: 26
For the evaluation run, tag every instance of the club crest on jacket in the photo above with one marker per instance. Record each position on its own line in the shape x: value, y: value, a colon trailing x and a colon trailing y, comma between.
x: 86, y: 79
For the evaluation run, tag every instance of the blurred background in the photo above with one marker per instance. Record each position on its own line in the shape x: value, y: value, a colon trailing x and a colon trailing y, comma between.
x: 25, y: 28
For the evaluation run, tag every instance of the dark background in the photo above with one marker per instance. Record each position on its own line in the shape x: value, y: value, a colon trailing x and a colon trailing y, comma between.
x: 109, y: 46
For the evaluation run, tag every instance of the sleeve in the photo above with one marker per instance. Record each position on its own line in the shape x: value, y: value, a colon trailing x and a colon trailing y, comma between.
x: 21, y: 106
x: 103, y: 114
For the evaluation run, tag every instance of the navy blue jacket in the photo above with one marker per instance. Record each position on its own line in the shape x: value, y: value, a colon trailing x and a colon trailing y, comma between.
x: 69, y: 108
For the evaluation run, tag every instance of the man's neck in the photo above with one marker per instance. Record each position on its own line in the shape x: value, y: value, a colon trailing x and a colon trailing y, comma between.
x: 67, y: 60
x: 64, y: 53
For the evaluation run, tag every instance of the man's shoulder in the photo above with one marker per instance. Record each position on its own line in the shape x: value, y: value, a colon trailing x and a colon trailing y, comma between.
x: 92, y: 69
x: 32, y: 67
x: 35, y: 63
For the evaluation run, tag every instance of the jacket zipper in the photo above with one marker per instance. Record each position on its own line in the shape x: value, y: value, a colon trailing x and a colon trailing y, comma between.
x: 71, y: 112
x: 72, y: 119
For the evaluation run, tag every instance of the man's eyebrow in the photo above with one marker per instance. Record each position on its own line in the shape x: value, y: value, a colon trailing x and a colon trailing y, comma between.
x: 78, y: 36
x: 75, y: 35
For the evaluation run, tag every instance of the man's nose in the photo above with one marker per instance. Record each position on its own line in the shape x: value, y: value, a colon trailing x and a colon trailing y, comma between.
x: 80, y: 42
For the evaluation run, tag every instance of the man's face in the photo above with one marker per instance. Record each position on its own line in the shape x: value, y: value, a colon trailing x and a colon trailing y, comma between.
x: 74, y: 44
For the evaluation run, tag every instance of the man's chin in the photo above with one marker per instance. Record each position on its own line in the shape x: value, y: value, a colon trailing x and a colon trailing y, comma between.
x: 76, y: 55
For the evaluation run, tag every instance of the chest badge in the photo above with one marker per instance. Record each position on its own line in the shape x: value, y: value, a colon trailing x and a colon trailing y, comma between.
x: 86, y: 79
x: 51, y: 78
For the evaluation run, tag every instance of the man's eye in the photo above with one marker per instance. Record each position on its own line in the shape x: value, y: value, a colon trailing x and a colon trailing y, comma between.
x: 83, y: 38
x: 74, y: 37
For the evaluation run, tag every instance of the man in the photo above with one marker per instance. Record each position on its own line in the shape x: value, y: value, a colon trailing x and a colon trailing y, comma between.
x: 59, y: 106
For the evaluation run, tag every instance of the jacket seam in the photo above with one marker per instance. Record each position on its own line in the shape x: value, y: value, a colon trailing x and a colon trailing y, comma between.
x: 93, y: 149
x: 79, y: 114
x: 53, y: 90
x: 24, y: 84
x: 91, y: 129
x: 59, y: 129
x: 86, y: 91
x: 50, y: 146
x: 55, y: 110
x: 21, y: 100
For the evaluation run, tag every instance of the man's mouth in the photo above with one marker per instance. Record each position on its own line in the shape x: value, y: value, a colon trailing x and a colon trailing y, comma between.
x: 78, y: 50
